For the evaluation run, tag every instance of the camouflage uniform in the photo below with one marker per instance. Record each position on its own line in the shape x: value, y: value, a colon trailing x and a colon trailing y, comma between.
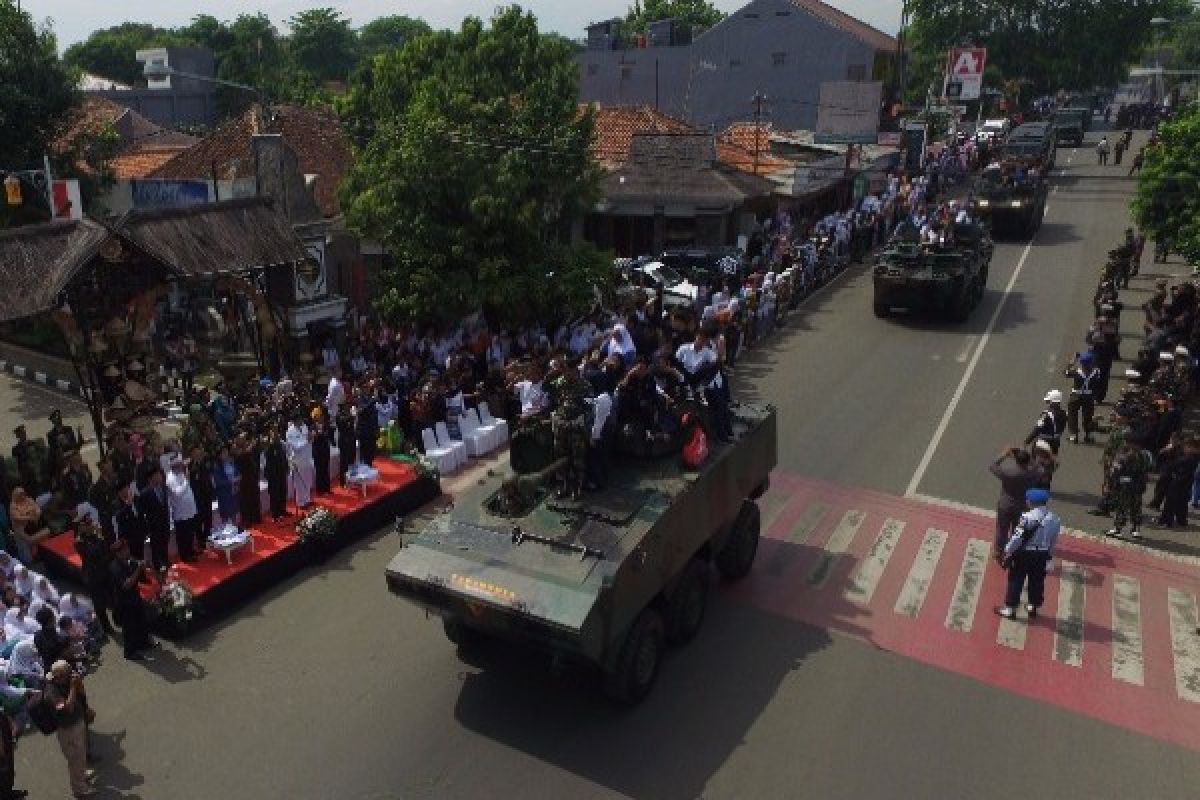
x: 1129, y: 483
x: 569, y: 422
x: 1116, y: 440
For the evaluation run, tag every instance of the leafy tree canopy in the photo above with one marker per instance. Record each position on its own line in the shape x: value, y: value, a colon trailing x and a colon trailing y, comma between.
x: 1167, y: 203
x: 473, y: 161
x: 695, y: 14
x: 323, y: 44
x: 387, y: 33
x: 1044, y: 44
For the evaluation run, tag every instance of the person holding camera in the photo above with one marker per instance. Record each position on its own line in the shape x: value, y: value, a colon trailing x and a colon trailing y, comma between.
x: 65, y: 694
x: 1016, y: 472
x: 127, y: 572
x: 1028, y: 553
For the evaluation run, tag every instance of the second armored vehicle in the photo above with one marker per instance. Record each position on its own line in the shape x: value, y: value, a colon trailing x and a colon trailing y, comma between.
x: 946, y: 280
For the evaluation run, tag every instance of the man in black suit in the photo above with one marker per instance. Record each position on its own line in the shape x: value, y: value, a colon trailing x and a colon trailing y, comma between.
x: 127, y: 520
x: 156, y: 515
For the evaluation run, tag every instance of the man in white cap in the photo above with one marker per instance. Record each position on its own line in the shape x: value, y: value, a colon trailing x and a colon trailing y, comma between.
x: 1050, y: 423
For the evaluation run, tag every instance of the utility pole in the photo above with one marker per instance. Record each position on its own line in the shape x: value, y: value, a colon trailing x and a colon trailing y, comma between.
x: 759, y: 98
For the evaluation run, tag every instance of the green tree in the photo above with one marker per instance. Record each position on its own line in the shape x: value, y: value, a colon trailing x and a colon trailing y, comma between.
x: 37, y: 90
x: 473, y: 161
x: 388, y: 33
x: 110, y: 52
x: 1049, y: 44
x: 695, y: 14
x: 254, y: 56
x: 1167, y: 203
x: 206, y: 30
x: 323, y: 44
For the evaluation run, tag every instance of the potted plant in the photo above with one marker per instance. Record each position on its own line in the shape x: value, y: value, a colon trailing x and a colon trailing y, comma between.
x: 317, y: 531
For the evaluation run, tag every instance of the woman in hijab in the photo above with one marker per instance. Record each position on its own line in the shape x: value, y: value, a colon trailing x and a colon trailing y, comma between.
x: 28, y: 524
x: 620, y: 344
x: 18, y: 624
x: 26, y: 664
x: 23, y: 582
x: 43, y: 591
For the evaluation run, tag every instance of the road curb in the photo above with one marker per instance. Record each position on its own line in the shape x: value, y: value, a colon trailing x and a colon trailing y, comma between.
x: 57, y: 384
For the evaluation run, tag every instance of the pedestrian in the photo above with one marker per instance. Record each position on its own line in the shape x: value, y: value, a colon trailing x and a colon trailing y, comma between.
x: 200, y: 479
x: 1118, y: 151
x: 1045, y: 463
x: 8, y: 760
x: 246, y: 454
x: 185, y: 513
x: 1028, y: 553
x: 95, y: 547
x: 299, y: 450
x: 128, y: 522
x: 225, y: 482
x: 1102, y: 151
x: 126, y: 573
x: 1050, y: 423
x: 155, y: 511
x: 1084, y: 379
x: 321, y: 450
x: 347, y: 445
x: 1138, y: 160
x: 1181, y: 468
x: 66, y: 694
x: 276, y: 469
x: 1014, y: 469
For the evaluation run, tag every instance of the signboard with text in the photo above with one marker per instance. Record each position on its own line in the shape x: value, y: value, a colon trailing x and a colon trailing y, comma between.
x: 168, y: 194
x: 964, y: 73
x: 848, y: 112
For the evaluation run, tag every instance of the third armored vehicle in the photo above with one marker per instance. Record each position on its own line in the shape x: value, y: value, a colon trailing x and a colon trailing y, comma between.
x: 605, y: 578
x: 948, y: 280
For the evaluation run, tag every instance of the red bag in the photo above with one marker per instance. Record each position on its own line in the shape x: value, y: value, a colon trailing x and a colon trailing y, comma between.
x: 696, y: 449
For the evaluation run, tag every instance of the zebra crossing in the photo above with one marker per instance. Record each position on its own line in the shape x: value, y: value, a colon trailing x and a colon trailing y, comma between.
x: 1116, y: 639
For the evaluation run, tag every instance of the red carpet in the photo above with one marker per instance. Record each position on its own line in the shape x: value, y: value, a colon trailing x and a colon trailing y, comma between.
x: 270, y: 538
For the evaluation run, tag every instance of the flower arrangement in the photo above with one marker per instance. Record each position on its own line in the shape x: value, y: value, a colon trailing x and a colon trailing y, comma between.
x: 427, y: 469
x: 175, y: 602
x: 318, y: 525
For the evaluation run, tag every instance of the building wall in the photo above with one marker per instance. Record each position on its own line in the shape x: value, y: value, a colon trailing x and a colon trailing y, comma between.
x: 768, y: 46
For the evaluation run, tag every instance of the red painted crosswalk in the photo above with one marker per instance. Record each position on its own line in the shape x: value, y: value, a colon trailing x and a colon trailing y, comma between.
x: 1117, y: 638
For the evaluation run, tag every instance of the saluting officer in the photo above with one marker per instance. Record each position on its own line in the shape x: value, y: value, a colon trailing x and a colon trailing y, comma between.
x: 1028, y: 553
x: 1051, y: 423
x: 1085, y: 378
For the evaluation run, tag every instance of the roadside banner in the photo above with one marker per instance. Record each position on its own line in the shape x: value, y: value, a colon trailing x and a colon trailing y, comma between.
x: 964, y: 73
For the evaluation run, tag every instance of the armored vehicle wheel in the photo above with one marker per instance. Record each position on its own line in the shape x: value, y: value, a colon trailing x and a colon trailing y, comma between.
x: 882, y: 311
x: 631, y: 678
x: 737, y: 555
x: 685, y: 611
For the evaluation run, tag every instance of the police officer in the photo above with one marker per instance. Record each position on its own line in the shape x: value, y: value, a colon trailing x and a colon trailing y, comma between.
x: 1028, y: 553
x: 1128, y: 482
x: 1085, y: 377
x: 1051, y: 423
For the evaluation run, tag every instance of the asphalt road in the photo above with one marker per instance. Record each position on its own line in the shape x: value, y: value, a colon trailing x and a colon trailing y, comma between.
x: 326, y: 687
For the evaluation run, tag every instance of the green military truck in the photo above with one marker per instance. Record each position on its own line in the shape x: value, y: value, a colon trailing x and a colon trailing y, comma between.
x: 1011, y: 196
x: 607, y: 579
x: 1070, y: 124
x: 945, y: 280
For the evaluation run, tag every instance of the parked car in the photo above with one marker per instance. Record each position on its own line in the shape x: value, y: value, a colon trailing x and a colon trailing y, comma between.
x: 657, y: 276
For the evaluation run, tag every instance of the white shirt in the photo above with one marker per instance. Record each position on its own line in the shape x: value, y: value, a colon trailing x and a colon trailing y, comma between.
x: 180, y: 498
x: 602, y: 406
x: 298, y: 445
x: 694, y: 360
x: 334, y: 396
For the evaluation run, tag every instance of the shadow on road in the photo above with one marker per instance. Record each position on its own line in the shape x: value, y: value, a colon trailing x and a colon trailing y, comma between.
x: 708, y: 697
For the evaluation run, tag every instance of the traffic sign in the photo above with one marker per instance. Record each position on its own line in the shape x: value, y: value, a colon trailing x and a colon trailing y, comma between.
x: 965, y: 68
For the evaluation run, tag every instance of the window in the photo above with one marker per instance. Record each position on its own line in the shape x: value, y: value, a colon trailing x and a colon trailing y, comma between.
x: 856, y: 72
x: 734, y: 63
x: 778, y: 59
x: 626, y: 73
x: 593, y: 69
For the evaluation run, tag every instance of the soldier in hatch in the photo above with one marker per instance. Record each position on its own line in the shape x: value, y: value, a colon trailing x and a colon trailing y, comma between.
x: 569, y: 422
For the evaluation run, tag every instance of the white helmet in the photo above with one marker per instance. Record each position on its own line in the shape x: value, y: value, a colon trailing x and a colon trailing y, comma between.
x: 1053, y: 396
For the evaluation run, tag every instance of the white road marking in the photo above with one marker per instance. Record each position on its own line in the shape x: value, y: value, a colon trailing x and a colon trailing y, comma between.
x: 1185, y: 644
x: 916, y: 586
x: 940, y: 431
x: 1068, y: 629
x: 965, y: 353
x: 1012, y: 631
x: 1128, y: 664
x: 961, y: 614
x: 863, y: 584
x: 839, y: 542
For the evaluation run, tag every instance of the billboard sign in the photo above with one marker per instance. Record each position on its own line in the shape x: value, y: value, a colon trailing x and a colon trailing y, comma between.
x: 964, y: 73
x: 848, y: 112
x: 168, y: 194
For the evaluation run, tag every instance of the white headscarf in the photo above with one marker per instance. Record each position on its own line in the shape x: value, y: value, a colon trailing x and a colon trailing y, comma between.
x: 36, y: 606
x: 23, y: 579
x: 18, y: 625
x: 621, y: 343
x: 25, y: 662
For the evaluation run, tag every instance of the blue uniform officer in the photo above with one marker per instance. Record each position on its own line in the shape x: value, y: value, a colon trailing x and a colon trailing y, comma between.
x: 1028, y: 552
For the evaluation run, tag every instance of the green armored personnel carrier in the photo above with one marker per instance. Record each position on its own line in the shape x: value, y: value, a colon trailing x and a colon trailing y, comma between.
x: 946, y: 280
x: 1012, y: 197
x: 608, y: 578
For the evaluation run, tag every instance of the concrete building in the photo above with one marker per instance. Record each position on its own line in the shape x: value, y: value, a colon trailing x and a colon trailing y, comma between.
x: 172, y: 101
x: 783, y: 49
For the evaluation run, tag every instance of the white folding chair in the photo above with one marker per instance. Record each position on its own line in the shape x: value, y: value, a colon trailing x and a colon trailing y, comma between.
x: 478, y: 442
x: 457, y: 448
x: 442, y: 457
x: 495, y: 439
x: 501, y: 426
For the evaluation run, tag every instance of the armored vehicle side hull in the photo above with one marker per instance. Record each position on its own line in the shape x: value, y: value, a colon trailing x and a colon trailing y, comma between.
x: 606, y: 578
